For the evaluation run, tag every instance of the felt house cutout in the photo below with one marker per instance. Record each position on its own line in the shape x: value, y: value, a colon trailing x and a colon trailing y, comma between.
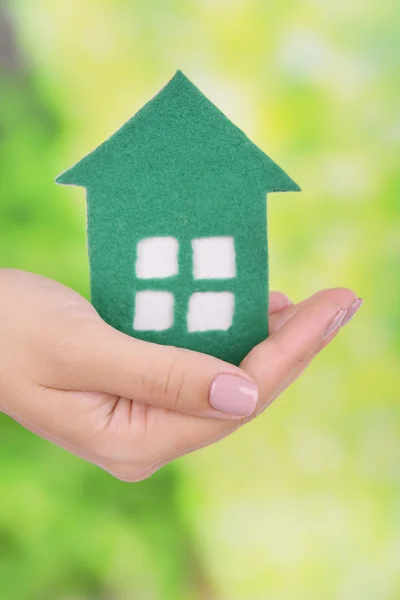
x: 177, y: 226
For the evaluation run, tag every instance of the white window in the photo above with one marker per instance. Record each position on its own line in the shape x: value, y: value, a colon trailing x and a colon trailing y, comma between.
x: 210, y: 311
x: 154, y: 311
x: 214, y: 258
x: 157, y: 258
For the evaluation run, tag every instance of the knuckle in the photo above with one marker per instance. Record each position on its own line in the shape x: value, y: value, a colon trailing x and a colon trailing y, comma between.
x: 292, y: 358
x: 125, y: 477
x: 64, y: 353
x: 129, y: 465
x: 131, y: 474
x: 167, y: 386
x: 281, y: 350
x: 63, y: 357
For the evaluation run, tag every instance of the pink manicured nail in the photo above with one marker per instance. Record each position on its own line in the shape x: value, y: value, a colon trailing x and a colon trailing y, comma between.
x: 335, y: 323
x: 352, y: 311
x: 233, y: 395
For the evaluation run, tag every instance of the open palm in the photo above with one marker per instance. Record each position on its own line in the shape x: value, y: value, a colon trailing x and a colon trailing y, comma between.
x: 127, y: 405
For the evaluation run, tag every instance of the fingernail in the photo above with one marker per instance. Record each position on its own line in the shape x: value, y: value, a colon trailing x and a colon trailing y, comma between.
x: 335, y: 323
x: 233, y: 395
x: 357, y: 304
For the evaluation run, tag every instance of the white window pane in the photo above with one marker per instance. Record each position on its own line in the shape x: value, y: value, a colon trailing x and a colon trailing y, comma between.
x: 154, y: 311
x: 210, y: 311
x: 214, y: 258
x: 157, y: 258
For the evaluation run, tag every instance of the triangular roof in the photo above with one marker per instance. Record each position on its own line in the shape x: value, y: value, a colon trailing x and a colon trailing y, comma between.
x: 175, y: 130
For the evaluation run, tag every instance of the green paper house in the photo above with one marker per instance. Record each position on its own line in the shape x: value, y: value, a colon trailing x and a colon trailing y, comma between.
x: 177, y: 226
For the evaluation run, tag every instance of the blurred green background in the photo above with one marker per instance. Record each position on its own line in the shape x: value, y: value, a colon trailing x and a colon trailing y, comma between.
x: 303, y: 504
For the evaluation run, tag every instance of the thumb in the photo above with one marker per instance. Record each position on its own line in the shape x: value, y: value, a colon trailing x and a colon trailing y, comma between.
x: 162, y: 376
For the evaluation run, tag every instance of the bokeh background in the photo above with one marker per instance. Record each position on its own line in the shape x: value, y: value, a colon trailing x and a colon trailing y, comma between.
x: 303, y: 504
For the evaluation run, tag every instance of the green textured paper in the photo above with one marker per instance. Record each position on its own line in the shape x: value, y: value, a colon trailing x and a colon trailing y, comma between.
x: 180, y: 168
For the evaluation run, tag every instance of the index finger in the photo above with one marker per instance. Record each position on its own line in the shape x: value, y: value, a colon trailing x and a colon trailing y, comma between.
x: 272, y: 363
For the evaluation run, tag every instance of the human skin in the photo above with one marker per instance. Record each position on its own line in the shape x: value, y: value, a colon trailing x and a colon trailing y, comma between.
x: 129, y: 406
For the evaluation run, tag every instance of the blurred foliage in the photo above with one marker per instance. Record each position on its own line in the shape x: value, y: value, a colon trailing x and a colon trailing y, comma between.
x: 304, y: 503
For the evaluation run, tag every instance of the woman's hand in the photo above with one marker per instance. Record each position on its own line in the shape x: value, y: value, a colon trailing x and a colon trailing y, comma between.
x: 130, y: 406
